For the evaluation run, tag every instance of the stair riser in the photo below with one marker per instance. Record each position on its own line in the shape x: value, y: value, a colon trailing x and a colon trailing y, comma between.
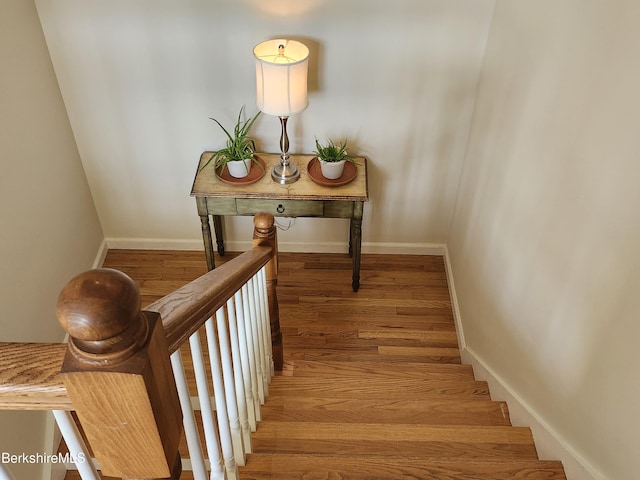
x: 382, y: 388
x: 295, y: 467
x: 472, y: 412
x: 429, y: 451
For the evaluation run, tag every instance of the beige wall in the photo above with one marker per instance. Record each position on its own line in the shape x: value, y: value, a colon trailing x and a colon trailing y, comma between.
x: 545, y: 234
x: 141, y: 79
x: 545, y: 224
x: 49, y: 228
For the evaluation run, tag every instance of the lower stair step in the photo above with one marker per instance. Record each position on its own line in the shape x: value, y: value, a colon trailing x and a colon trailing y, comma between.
x: 382, y: 467
x: 361, y: 386
x: 369, y: 354
x: 431, y: 441
x: 364, y: 410
x: 412, y: 370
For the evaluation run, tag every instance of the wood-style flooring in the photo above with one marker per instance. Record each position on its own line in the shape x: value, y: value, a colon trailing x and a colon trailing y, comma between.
x: 372, y: 386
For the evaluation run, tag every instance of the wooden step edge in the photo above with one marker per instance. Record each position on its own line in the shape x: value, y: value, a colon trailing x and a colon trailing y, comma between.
x: 383, y: 467
x: 294, y: 367
x: 372, y: 354
x: 357, y: 387
x: 390, y: 432
x: 400, y: 377
x: 432, y: 411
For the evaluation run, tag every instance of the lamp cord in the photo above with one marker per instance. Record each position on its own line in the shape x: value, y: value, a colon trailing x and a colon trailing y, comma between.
x: 284, y: 228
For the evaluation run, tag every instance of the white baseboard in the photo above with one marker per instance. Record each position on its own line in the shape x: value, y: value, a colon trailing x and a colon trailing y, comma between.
x: 153, y: 244
x: 101, y: 255
x: 549, y: 444
x: 306, y: 247
x: 462, y: 343
x: 404, y: 248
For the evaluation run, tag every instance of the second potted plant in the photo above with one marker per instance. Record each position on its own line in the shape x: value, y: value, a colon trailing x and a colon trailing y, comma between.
x: 332, y: 158
x: 239, y: 150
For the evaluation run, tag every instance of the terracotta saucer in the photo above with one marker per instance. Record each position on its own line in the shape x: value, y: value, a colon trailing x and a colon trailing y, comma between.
x: 315, y: 173
x: 255, y: 174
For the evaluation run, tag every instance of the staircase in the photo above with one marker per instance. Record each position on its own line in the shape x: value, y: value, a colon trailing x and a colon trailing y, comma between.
x: 372, y: 386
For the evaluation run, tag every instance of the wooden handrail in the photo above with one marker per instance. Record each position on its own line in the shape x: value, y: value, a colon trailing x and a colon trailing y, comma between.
x: 185, y: 310
x: 26, y: 384
x: 29, y: 377
x: 29, y: 372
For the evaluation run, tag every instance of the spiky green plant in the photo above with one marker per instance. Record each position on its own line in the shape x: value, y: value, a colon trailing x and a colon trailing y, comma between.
x: 240, y: 146
x: 332, y: 152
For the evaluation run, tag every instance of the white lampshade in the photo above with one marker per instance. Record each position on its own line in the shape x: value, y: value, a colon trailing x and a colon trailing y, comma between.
x: 281, y: 77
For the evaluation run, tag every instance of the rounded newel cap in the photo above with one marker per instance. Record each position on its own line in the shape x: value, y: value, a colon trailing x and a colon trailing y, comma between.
x: 263, y: 221
x: 98, y: 304
x: 100, y: 310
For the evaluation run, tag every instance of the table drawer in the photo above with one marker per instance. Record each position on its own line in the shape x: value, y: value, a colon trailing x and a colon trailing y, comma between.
x: 280, y: 208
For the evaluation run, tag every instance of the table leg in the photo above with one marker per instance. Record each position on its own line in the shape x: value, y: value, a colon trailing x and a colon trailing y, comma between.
x: 351, y: 238
x: 217, y: 227
x: 356, y: 243
x: 208, y: 243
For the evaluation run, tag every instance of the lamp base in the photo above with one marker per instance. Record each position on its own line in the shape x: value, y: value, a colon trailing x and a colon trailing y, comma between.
x: 285, y: 173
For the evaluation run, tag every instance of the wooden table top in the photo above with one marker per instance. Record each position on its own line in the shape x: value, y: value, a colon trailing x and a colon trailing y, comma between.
x: 207, y: 184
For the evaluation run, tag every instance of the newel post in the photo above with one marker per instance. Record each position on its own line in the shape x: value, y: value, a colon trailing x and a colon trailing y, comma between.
x: 118, y: 375
x: 265, y: 234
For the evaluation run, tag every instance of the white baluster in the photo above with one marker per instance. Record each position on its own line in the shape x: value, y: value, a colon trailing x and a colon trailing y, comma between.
x: 262, y: 275
x: 257, y: 338
x: 229, y: 386
x: 6, y: 474
x: 264, y: 341
x: 221, y: 401
x: 188, y: 420
x: 248, y: 369
x: 238, y: 376
x: 77, y: 448
x: 254, y: 352
x: 206, y: 410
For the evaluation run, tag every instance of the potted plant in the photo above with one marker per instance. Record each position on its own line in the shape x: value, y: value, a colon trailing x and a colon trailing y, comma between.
x: 238, y: 154
x: 332, y: 158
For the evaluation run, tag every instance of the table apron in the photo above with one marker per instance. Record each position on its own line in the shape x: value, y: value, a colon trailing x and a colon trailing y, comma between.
x: 283, y: 208
x: 277, y: 207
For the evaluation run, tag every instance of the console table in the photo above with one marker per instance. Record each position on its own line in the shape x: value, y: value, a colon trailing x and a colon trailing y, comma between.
x: 304, y: 198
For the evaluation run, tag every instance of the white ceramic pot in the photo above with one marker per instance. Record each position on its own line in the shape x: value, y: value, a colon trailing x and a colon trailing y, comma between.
x: 332, y: 170
x: 239, y: 168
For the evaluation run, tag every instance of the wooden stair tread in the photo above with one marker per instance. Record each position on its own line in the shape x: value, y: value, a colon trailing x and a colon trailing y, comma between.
x: 380, y: 368
x: 384, y: 467
x: 437, y: 339
x: 395, y: 432
x: 427, y: 441
x: 373, y: 353
x: 426, y: 336
x: 367, y: 410
x: 313, y: 320
x: 359, y: 386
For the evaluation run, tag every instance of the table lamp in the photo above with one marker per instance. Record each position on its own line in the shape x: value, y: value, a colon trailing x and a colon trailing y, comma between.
x: 281, y: 87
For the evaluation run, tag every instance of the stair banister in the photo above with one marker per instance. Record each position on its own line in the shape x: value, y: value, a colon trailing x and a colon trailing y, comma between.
x: 117, y: 373
x: 28, y: 385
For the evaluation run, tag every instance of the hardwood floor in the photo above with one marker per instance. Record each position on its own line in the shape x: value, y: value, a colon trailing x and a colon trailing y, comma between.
x: 372, y: 386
